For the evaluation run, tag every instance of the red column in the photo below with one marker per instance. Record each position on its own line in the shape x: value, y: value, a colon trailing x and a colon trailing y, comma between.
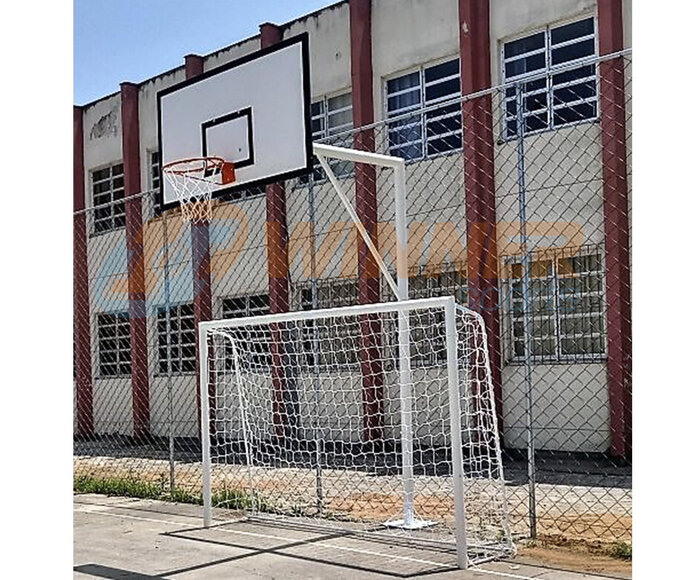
x: 616, y: 227
x: 277, y: 270
x: 201, y: 268
x: 81, y: 293
x: 479, y: 184
x: 366, y: 207
x: 276, y: 215
x: 135, y: 264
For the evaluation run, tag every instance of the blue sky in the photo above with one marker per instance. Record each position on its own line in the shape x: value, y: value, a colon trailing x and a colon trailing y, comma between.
x: 132, y: 40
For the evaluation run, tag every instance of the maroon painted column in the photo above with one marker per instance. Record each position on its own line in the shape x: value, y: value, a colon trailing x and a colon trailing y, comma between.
x: 81, y: 290
x: 616, y: 227
x: 366, y: 207
x: 276, y: 215
x: 135, y: 260
x: 201, y: 270
x: 277, y: 272
x: 479, y: 183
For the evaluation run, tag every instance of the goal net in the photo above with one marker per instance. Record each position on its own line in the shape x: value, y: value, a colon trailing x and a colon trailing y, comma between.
x: 375, y: 419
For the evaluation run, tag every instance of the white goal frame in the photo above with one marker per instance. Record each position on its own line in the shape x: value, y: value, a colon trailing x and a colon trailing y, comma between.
x: 449, y: 308
x: 399, y: 286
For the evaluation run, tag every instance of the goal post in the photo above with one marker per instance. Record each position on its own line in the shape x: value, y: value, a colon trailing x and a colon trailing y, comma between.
x: 439, y: 451
x: 399, y: 287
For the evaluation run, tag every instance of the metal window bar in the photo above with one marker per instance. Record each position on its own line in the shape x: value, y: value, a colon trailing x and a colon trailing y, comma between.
x: 181, y: 358
x: 114, y: 349
x: 550, y: 71
x: 108, y: 198
x: 398, y: 129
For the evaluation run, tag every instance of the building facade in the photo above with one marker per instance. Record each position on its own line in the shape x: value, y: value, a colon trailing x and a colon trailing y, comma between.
x: 490, y: 103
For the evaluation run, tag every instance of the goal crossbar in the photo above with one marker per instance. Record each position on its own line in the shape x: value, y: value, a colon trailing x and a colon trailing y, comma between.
x: 354, y: 310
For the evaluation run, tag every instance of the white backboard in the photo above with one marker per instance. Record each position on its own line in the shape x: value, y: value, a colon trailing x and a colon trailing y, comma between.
x: 254, y: 111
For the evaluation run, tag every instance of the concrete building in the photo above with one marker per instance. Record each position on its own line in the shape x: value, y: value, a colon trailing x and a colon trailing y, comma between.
x: 373, y: 61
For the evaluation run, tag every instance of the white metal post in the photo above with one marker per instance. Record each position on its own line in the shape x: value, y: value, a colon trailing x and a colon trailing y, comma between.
x: 404, y: 337
x: 400, y: 289
x: 456, y: 432
x: 358, y: 224
x: 204, y: 406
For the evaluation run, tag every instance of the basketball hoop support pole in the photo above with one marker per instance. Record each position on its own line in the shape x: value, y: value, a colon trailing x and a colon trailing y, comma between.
x: 400, y: 288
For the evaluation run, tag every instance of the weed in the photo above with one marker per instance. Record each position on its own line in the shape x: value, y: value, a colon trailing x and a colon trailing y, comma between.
x: 621, y: 551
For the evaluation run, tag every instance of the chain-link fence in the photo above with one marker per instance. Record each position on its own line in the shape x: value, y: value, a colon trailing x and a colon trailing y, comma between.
x: 518, y: 203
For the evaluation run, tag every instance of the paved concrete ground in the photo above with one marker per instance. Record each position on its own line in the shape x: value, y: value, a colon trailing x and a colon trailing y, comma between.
x: 122, y: 538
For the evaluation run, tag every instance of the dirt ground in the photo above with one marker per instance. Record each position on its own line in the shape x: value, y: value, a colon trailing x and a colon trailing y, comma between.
x: 577, y: 556
x: 573, y: 532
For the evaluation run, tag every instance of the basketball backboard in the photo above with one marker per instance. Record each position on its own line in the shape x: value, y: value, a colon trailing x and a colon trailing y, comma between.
x: 254, y: 111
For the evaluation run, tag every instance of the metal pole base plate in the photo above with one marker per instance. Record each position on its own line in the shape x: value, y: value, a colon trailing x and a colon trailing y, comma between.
x: 414, y: 524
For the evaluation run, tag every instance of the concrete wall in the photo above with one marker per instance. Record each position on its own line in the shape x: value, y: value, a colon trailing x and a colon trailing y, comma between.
x: 102, y: 136
x: 563, y: 186
x: 106, y: 264
x: 226, y: 55
x: 148, y: 118
x: 329, y: 44
x: 237, y: 241
x: 571, y: 410
x: 406, y: 34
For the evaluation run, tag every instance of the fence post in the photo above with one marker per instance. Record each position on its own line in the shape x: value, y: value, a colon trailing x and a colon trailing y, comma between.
x: 166, y: 308
x: 527, y: 318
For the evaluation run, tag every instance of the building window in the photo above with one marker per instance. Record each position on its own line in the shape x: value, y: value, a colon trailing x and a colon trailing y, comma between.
x: 428, y: 284
x: 560, y: 95
x: 244, y: 193
x: 330, y: 117
x: 568, y: 316
x: 155, y: 170
x: 108, y: 198
x: 425, y: 133
x: 428, y: 340
x: 182, y: 340
x: 246, y: 306
x: 154, y: 179
x: 255, y: 339
x: 329, y: 343
x: 113, y: 344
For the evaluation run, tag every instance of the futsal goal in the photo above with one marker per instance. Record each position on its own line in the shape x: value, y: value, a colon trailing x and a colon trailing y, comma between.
x: 343, y: 420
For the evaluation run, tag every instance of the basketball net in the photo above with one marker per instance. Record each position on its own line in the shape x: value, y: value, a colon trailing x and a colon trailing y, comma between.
x: 193, y: 181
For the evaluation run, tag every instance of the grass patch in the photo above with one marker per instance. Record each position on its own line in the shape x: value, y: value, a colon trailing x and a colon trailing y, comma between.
x: 234, y: 499
x: 125, y: 486
x: 621, y: 551
x: 237, y: 499
x: 131, y: 487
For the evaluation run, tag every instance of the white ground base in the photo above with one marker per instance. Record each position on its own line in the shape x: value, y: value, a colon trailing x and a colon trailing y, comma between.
x: 414, y: 524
